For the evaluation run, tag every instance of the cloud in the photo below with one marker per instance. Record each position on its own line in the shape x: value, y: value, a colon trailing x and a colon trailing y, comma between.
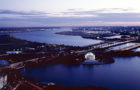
x: 97, y: 17
x: 95, y: 11
x: 21, y: 12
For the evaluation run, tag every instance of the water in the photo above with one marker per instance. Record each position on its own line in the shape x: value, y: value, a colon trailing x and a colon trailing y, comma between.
x: 50, y: 37
x: 4, y: 63
x: 124, y: 74
x: 121, y: 75
x: 136, y: 50
x: 119, y: 47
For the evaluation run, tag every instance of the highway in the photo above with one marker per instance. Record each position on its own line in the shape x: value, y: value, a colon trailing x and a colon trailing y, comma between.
x: 28, y: 83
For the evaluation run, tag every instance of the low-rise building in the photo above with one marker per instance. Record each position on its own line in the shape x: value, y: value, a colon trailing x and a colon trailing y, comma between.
x: 3, y: 81
x: 13, y: 52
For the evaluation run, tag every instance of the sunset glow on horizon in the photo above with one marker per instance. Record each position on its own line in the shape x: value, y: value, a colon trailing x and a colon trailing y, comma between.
x: 69, y: 13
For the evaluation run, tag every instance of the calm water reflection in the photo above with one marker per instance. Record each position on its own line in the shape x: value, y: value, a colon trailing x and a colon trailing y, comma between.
x: 124, y: 74
x: 50, y: 37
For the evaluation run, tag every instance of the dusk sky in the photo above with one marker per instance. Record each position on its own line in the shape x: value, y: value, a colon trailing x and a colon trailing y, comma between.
x: 69, y: 12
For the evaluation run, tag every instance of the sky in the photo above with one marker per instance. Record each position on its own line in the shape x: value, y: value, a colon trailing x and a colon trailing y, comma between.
x: 23, y: 13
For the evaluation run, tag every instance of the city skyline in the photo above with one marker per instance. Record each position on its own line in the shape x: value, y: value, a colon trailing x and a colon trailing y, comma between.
x: 69, y: 13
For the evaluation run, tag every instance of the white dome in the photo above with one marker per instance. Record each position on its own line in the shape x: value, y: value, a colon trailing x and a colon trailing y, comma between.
x: 90, y: 56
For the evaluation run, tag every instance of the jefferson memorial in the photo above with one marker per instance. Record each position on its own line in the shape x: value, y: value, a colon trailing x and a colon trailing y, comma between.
x: 90, y: 59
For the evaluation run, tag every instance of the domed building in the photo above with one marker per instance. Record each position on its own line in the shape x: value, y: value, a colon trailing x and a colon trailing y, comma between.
x: 90, y: 56
x: 90, y: 59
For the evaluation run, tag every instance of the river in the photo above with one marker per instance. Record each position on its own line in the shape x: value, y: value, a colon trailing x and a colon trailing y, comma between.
x: 121, y: 75
x: 49, y: 36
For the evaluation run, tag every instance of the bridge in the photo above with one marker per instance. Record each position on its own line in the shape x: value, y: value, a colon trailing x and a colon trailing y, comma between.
x: 107, y: 44
x: 103, y: 45
x: 20, y: 65
x: 131, y: 47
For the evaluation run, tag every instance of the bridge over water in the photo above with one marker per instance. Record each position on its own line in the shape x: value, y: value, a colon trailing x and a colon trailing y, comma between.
x: 103, y: 45
x: 131, y: 47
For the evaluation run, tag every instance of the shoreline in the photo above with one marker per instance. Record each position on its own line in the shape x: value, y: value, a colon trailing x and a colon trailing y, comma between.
x: 65, y: 57
x: 100, y: 54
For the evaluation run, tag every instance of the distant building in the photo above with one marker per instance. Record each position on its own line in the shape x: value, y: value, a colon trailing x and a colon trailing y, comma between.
x: 14, y: 52
x: 90, y: 59
x: 29, y: 48
x: 3, y: 81
x: 98, y: 32
x: 113, y: 37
